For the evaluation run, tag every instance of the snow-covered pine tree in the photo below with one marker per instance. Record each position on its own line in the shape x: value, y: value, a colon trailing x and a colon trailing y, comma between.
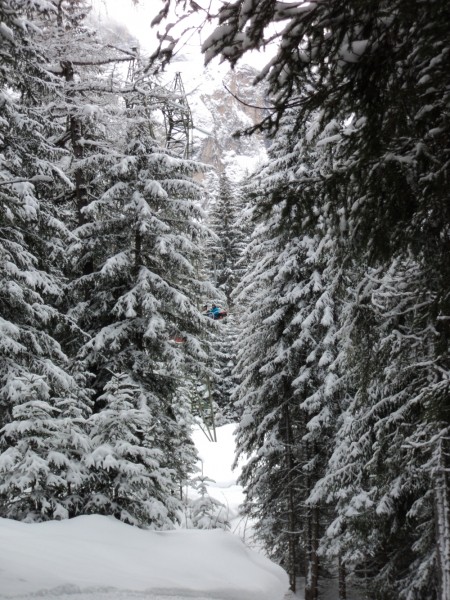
x: 381, y: 474
x: 129, y: 479
x: 84, y: 142
x: 205, y: 511
x: 142, y: 312
x: 225, y: 251
x: 224, y: 263
x: 223, y: 386
x: 31, y: 251
x: 43, y: 476
x: 268, y: 413
x: 286, y: 361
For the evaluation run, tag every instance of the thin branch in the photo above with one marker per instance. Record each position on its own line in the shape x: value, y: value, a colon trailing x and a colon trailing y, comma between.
x: 35, y: 179
x: 130, y: 53
x: 243, y: 102
x: 105, y: 61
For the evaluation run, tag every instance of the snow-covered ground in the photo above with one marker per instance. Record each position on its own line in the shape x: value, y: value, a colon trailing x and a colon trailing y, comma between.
x: 100, y: 558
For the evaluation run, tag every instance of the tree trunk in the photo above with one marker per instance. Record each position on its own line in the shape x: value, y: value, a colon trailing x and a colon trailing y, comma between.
x: 76, y: 137
x: 442, y: 507
x: 314, y: 554
x: 292, y: 539
x: 312, y: 557
x: 342, y: 574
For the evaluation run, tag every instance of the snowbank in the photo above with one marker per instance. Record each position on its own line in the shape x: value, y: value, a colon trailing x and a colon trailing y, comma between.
x: 100, y: 557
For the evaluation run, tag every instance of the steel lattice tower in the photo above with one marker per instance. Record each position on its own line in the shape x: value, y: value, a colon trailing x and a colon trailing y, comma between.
x: 178, y: 120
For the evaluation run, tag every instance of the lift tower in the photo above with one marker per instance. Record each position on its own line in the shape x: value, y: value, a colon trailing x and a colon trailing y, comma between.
x: 178, y: 120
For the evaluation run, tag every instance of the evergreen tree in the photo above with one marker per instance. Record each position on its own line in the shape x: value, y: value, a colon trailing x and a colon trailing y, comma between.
x: 225, y: 266
x: 380, y: 475
x: 129, y: 327
x: 225, y: 252
x: 127, y: 309
x: 35, y: 376
x: 140, y: 296
x: 129, y: 476
x: 286, y: 363
x: 43, y: 477
x: 207, y: 512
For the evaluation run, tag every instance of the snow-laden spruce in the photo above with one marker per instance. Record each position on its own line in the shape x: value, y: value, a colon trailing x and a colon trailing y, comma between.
x: 286, y: 361
x: 131, y: 284
x: 42, y: 438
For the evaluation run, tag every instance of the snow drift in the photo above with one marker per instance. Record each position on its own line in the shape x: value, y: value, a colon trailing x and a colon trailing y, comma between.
x: 99, y: 556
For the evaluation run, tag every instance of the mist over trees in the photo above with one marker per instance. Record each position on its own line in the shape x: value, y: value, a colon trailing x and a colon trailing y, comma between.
x: 333, y: 259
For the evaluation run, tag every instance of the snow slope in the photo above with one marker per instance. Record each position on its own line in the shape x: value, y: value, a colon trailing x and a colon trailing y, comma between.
x: 100, y: 558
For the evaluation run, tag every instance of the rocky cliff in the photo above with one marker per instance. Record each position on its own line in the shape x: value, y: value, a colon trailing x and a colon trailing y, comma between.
x: 224, y: 102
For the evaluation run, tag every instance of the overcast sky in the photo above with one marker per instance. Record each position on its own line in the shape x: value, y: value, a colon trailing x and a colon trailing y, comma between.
x: 137, y: 19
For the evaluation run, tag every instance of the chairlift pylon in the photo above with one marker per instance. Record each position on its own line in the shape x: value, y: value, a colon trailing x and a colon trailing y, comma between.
x: 178, y: 120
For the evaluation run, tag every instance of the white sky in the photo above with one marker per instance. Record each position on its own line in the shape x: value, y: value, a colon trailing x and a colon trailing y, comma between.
x: 137, y: 18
